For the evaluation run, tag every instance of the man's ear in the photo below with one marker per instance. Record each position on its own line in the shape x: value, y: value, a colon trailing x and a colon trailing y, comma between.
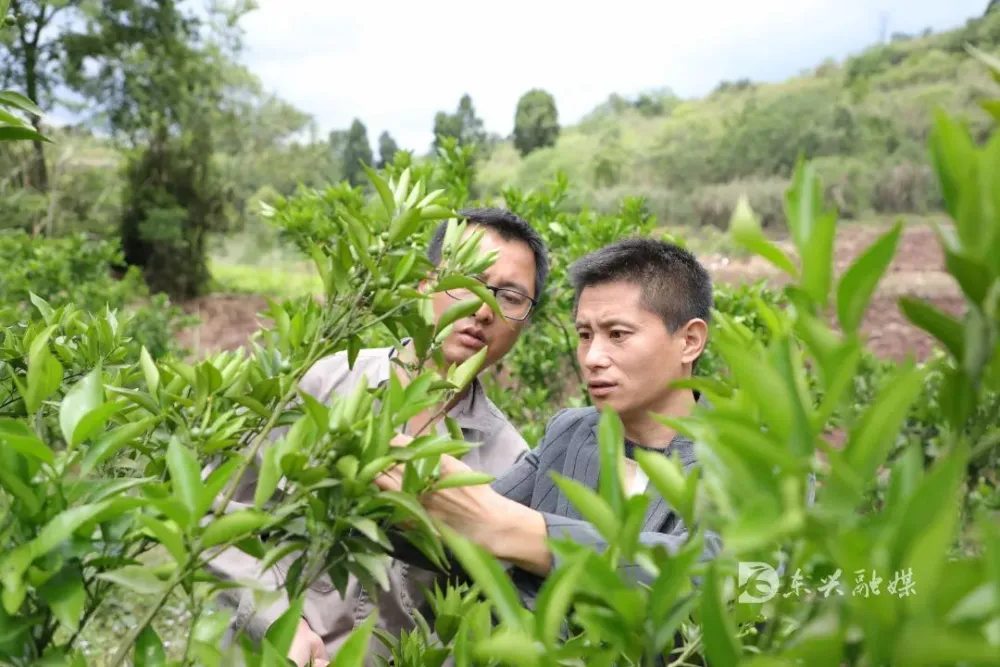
x: 695, y: 335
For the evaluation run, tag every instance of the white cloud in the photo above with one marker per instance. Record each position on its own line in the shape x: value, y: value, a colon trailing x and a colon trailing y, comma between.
x: 395, y: 64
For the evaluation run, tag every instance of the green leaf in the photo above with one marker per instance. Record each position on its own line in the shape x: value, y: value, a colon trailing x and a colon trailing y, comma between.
x: 149, y: 649
x: 928, y: 526
x: 469, y: 369
x: 65, y: 594
x: 488, y: 575
x: 18, y: 436
x: 938, y: 324
x: 146, y: 401
x: 43, y: 307
x: 667, y: 476
x: 510, y: 647
x: 388, y: 201
x: 932, y: 643
x: 554, y: 598
x: 166, y: 535
x: 470, y: 478
x: 591, y: 506
x: 721, y: 647
x: 874, y: 436
x: 611, y: 442
x: 111, y: 442
x: 267, y: 480
x: 20, y: 133
x: 369, y: 529
x: 455, y: 312
x: 62, y: 526
x: 409, y: 506
x: 454, y: 282
x: 354, y: 649
x: 19, y: 489
x: 281, y: 633
x: 18, y: 101
x: 7, y: 118
x: 801, y: 201
x: 44, y: 372
x: 675, y: 571
x: 353, y: 349
x: 952, y: 156
x: 137, y: 578
x: 972, y: 274
x: 149, y: 370
x: 762, y: 383
x: 858, y: 283
x: 817, y: 260
x: 185, y: 476
x: 230, y: 526
x: 744, y: 228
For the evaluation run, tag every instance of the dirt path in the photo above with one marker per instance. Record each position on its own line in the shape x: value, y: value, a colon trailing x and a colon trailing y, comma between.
x: 917, y: 270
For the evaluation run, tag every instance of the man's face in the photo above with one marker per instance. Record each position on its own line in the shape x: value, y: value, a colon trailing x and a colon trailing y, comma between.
x: 513, y: 269
x: 627, y: 355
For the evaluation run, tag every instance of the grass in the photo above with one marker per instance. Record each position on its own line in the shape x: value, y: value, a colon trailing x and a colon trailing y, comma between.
x: 255, y: 263
x: 278, y: 281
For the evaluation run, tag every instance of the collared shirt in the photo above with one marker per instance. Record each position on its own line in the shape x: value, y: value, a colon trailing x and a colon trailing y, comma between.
x: 331, y: 617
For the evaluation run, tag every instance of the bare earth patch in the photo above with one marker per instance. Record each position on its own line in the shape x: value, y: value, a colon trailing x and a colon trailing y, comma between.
x: 228, y: 320
x: 916, y: 271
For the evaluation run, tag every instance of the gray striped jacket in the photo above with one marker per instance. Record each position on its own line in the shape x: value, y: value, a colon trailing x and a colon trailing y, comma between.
x: 570, y: 448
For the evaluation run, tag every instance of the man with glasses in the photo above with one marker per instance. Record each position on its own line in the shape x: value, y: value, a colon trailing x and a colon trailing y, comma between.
x: 516, y: 278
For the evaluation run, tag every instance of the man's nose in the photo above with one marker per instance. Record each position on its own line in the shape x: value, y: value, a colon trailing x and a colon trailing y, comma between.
x: 484, y: 316
x: 595, y: 356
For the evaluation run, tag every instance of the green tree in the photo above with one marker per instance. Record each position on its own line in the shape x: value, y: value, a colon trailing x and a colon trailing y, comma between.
x: 356, y: 150
x: 387, y: 148
x: 160, y: 80
x: 464, y: 125
x: 536, y: 123
x: 30, y: 55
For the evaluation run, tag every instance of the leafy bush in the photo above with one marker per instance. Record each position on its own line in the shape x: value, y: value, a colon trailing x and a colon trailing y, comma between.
x: 78, y: 270
x: 714, y: 204
x: 906, y: 187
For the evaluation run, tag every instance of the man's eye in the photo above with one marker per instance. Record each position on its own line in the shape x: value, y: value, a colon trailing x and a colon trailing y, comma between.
x: 618, y: 335
x: 512, y: 299
x: 583, y: 335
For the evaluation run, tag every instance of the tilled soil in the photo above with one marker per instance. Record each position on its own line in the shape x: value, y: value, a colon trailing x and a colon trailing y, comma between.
x: 917, y: 270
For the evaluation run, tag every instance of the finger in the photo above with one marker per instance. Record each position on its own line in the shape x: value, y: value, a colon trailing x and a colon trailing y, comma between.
x: 390, y: 480
x: 400, y: 440
x: 319, y: 651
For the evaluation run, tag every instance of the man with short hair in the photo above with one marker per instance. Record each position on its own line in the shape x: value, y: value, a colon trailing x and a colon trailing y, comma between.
x: 642, y: 309
x: 517, y: 278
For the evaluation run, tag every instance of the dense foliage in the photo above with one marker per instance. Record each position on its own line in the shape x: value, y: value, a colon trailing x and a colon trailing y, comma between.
x: 110, y: 457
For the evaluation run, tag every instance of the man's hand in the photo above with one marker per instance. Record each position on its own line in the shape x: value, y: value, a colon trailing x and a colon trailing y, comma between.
x: 506, y: 529
x: 308, y: 648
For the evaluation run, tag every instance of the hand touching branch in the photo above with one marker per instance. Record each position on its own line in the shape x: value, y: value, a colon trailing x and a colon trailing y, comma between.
x: 508, y: 530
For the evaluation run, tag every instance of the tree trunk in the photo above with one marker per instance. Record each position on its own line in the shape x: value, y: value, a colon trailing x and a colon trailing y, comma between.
x: 39, y: 173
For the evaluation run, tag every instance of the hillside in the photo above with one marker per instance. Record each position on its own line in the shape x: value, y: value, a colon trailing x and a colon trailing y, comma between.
x: 865, y: 122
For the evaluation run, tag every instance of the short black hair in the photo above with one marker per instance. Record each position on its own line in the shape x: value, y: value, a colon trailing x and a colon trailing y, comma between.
x: 674, y: 284
x: 510, y: 227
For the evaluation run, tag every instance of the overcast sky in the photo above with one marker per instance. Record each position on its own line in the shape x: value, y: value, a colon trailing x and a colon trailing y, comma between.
x: 394, y: 63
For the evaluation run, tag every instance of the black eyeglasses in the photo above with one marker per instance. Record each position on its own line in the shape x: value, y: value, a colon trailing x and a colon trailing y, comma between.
x: 513, y: 304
